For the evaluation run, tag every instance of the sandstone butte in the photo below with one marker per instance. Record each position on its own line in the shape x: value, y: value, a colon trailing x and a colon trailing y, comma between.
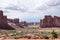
x: 3, y: 21
x: 50, y: 21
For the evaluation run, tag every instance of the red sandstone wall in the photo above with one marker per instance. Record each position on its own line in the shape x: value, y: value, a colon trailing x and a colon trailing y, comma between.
x: 49, y: 21
x: 16, y: 20
x: 56, y: 21
x: 3, y: 21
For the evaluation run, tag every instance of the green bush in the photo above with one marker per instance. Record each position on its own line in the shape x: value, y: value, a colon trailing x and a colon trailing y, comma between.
x: 16, y: 37
x: 44, y: 37
x: 29, y: 37
x: 54, y: 35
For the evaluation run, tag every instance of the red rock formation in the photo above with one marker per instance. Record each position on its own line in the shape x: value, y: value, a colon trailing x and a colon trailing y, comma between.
x: 15, y: 20
x: 56, y: 21
x: 3, y: 21
x: 23, y: 23
x: 49, y: 21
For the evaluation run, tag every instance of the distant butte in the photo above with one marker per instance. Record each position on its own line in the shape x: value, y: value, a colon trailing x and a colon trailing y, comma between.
x: 50, y: 21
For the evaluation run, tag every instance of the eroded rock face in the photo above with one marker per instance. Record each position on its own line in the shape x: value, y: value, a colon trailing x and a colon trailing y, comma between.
x: 15, y: 20
x: 3, y: 21
x: 56, y: 21
x: 50, y: 21
x: 23, y: 23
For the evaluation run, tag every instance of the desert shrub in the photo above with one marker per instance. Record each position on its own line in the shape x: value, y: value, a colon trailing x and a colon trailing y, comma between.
x: 29, y: 37
x: 21, y: 36
x: 35, y: 37
x: 2, y: 35
x: 16, y: 37
x: 54, y: 35
x: 44, y: 37
x: 14, y: 34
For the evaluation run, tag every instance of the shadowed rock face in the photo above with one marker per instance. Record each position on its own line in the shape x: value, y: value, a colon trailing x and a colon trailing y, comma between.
x: 50, y: 21
x: 3, y: 21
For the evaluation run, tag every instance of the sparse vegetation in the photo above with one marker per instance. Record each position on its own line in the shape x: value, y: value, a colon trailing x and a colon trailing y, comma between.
x: 44, y: 37
x: 30, y: 33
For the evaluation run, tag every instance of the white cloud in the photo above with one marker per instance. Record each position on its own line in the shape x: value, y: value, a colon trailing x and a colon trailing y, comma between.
x: 30, y: 9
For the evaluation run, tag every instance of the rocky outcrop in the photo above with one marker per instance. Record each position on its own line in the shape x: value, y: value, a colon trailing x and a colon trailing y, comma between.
x: 50, y: 21
x: 23, y: 23
x: 3, y: 21
x: 16, y: 21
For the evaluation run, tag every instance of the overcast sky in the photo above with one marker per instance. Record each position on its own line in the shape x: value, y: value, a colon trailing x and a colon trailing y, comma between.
x: 30, y: 10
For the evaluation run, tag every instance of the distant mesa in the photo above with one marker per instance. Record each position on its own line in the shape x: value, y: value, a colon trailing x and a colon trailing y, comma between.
x: 50, y: 21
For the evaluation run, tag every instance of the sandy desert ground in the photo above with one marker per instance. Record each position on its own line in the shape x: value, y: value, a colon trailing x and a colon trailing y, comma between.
x: 28, y: 39
x: 34, y: 30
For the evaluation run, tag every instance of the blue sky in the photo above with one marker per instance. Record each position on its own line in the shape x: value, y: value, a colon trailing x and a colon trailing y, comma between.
x: 30, y: 10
